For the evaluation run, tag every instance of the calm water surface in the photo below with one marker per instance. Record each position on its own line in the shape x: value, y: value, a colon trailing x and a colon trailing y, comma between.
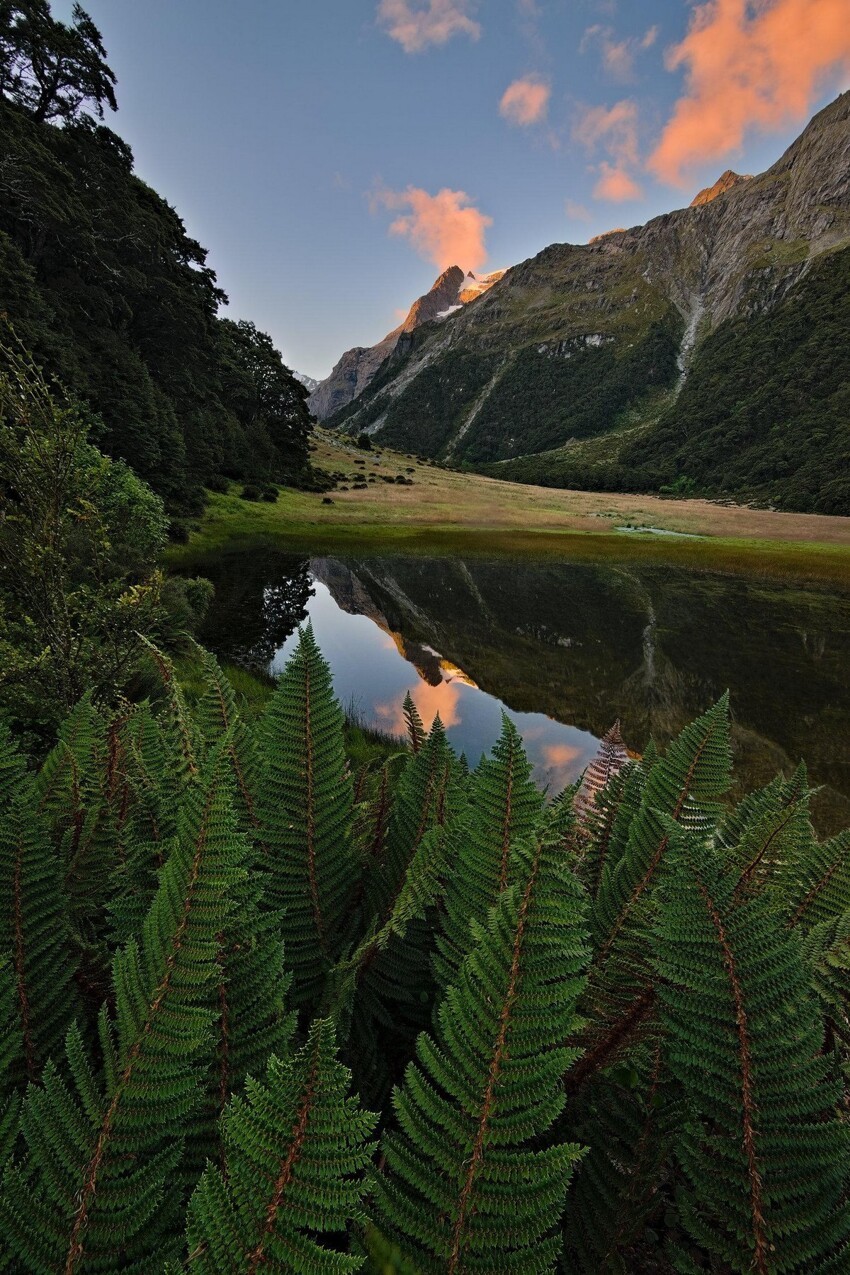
x: 565, y: 649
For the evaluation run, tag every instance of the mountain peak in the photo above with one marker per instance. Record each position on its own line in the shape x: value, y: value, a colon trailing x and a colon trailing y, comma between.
x: 726, y: 181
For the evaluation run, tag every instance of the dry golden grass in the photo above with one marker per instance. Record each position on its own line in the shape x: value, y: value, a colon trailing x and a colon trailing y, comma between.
x: 446, y: 511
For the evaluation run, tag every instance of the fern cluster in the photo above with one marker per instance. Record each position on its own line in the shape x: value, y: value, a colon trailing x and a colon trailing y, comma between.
x: 260, y: 1012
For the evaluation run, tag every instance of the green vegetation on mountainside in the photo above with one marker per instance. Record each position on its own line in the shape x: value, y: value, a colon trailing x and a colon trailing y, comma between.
x: 546, y: 397
x: 765, y: 409
x: 763, y: 414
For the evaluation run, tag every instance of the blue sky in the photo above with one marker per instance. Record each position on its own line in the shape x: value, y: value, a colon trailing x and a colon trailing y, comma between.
x: 293, y: 134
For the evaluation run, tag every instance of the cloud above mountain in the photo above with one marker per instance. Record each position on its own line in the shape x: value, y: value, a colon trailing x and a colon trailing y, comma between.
x: 446, y: 228
x: 748, y: 65
x: 417, y: 26
x: 614, y: 130
x: 525, y: 102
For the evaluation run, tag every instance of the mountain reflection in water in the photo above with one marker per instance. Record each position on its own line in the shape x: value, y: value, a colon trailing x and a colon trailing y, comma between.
x: 564, y: 648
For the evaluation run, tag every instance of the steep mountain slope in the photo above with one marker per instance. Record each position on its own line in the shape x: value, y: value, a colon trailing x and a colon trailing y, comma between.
x: 581, y: 352
x: 356, y: 368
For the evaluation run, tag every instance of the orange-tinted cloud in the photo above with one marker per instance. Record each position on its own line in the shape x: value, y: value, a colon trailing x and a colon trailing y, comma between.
x: 416, y: 26
x: 748, y: 64
x: 445, y: 228
x: 615, y: 185
x: 430, y: 700
x: 525, y: 102
x: 615, y: 130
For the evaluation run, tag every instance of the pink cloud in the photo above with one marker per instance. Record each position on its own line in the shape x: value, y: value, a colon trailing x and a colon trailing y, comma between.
x: 618, y: 56
x: 416, y: 26
x: 614, y: 127
x: 748, y: 64
x: 615, y: 130
x: 525, y: 102
x: 444, y: 228
x: 616, y: 185
x: 429, y: 700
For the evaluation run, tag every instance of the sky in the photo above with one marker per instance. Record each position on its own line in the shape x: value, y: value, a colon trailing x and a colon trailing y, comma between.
x: 335, y: 155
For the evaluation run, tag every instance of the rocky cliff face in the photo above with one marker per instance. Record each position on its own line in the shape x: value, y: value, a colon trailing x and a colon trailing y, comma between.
x: 357, y: 367
x: 621, y: 319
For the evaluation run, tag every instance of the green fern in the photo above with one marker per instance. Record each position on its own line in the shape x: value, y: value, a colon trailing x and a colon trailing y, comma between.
x: 217, y: 715
x: 306, y: 805
x: 763, y: 1153
x: 504, y: 808
x: 93, y: 1192
x: 297, y: 1151
x: 36, y: 933
x: 428, y: 795
x: 416, y: 732
x: 471, y: 1182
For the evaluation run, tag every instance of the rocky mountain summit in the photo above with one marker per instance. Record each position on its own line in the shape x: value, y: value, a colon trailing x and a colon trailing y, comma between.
x: 356, y: 368
x: 574, y: 356
x: 726, y: 181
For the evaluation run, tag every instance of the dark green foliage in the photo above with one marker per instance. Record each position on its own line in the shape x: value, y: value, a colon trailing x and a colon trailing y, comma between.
x: 764, y: 410
x: 296, y: 1147
x: 543, y: 398
x: 504, y: 809
x: 34, y: 929
x: 764, y: 1156
x: 428, y: 413
x: 306, y: 806
x: 104, y: 285
x: 103, y: 1150
x: 632, y: 1006
x: 473, y: 1182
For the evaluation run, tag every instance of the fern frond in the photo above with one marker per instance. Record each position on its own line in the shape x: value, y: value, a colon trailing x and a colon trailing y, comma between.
x: 297, y: 1150
x: 817, y: 888
x: 428, y: 795
x: 178, y: 728
x: 628, y: 1117
x: 306, y: 807
x: 504, y: 808
x: 763, y: 1153
x: 471, y: 1182
x: 35, y: 931
x: 217, y: 715
x: 612, y: 755
x: 91, y: 1194
x: 416, y: 731
x: 686, y: 784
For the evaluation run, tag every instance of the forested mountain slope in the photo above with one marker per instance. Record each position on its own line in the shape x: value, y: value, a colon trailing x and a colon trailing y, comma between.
x: 104, y: 286
x: 639, y: 360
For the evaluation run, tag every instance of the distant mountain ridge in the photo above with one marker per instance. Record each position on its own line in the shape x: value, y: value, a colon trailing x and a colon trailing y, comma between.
x: 356, y: 368
x: 580, y: 365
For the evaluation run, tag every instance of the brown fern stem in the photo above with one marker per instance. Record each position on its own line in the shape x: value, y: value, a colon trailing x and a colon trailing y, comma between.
x: 612, y: 1042
x: 287, y: 1169
x: 753, y: 864
x: 499, y: 1053
x: 747, y: 1099
x: 88, y: 1189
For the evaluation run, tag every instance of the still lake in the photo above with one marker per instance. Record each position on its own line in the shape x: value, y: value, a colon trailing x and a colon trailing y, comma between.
x: 564, y: 648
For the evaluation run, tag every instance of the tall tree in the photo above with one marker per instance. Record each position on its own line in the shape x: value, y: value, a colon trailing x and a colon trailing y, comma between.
x: 52, y: 69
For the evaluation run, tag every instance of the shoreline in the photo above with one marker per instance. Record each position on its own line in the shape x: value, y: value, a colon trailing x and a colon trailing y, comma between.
x: 448, y: 512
